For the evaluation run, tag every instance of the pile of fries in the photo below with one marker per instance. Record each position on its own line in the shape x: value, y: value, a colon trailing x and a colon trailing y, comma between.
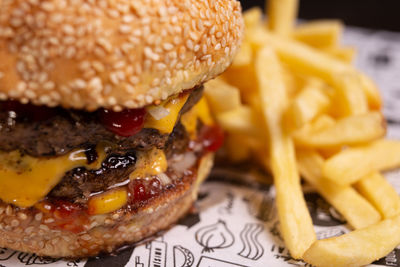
x: 293, y: 101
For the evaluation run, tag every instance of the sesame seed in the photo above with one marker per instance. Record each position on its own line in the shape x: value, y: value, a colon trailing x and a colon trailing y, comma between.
x: 39, y: 216
x: 68, y: 29
x: 134, y: 80
x: 22, y: 216
x: 44, y: 227
x: 9, y: 210
x: 150, y: 54
x: 122, y: 228
x: 86, y: 237
x: 189, y: 44
x: 49, y: 85
x: 168, y: 46
x: 29, y: 230
x: 14, y: 223
x: 41, y: 244
x: 49, y: 220
x: 125, y: 29
x: 80, y: 84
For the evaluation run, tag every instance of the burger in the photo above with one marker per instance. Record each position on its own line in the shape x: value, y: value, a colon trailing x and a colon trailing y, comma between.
x: 104, y: 134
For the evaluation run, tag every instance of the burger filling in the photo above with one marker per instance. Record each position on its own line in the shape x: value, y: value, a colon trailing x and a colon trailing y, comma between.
x: 76, y: 164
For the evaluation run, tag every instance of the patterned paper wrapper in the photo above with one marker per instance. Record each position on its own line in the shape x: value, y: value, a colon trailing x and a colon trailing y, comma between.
x: 234, y: 222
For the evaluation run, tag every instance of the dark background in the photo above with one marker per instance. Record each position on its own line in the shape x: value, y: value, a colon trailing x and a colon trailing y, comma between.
x: 374, y: 14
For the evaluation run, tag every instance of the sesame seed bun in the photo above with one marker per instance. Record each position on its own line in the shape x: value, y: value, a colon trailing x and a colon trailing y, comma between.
x: 30, y: 232
x: 113, y: 54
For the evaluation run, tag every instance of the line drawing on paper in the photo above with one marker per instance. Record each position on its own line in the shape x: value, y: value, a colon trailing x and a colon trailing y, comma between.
x: 158, y: 253
x: 183, y: 257
x: 252, y: 248
x: 214, y: 236
x: 208, y: 261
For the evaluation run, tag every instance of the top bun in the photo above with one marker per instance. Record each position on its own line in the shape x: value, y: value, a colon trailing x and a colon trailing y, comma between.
x: 87, y: 54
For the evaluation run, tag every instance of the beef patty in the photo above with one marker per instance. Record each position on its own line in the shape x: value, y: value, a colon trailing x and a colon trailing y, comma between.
x: 66, y: 130
x: 79, y: 183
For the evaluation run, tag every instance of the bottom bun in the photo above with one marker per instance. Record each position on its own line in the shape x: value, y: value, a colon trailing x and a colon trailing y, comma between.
x: 29, y: 233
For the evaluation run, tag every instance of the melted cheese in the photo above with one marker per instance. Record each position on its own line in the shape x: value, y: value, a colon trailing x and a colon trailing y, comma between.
x: 199, y: 111
x: 107, y: 202
x: 204, y: 112
x: 189, y: 121
x: 150, y: 163
x: 167, y: 123
x: 26, y: 180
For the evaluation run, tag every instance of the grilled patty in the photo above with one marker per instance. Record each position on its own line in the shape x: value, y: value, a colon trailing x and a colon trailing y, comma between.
x: 79, y: 183
x: 66, y: 130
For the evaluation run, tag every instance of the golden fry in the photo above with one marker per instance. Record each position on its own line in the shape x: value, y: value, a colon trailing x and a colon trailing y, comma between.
x: 305, y: 59
x: 371, y: 91
x: 380, y: 193
x: 345, y: 54
x: 282, y: 16
x: 221, y: 96
x: 252, y: 17
x: 241, y: 120
x: 347, y: 131
x: 296, y: 225
x: 349, y: 96
x: 358, y: 212
x: 310, y: 103
x: 319, y: 33
x: 357, y: 248
x: 352, y: 164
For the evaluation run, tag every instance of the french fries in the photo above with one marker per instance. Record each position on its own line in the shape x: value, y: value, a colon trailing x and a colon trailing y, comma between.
x: 345, y: 54
x: 352, y: 164
x: 311, y: 102
x: 371, y: 91
x: 300, y: 57
x: 319, y: 33
x: 244, y: 57
x: 380, y: 193
x: 310, y: 61
x: 282, y: 15
x: 241, y: 120
x: 296, y: 225
x: 252, y: 17
x: 350, y: 97
x: 352, y: 130
x: 356, y: 248
x: 216, y: 90
x: 358, y: 212
x: 293, y: 102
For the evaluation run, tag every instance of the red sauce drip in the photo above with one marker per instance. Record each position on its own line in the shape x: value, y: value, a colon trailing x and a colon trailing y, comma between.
x: 67, y: 216
x: 211, y: 137
x: 30, y: 111
x: 142, y: 190
x: 125, y: 123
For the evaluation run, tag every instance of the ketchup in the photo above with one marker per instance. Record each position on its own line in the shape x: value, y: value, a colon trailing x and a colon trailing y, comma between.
x: 142, y: 190
x: 211, y: 137
x: 125, y: 123
x: 67, y: 216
